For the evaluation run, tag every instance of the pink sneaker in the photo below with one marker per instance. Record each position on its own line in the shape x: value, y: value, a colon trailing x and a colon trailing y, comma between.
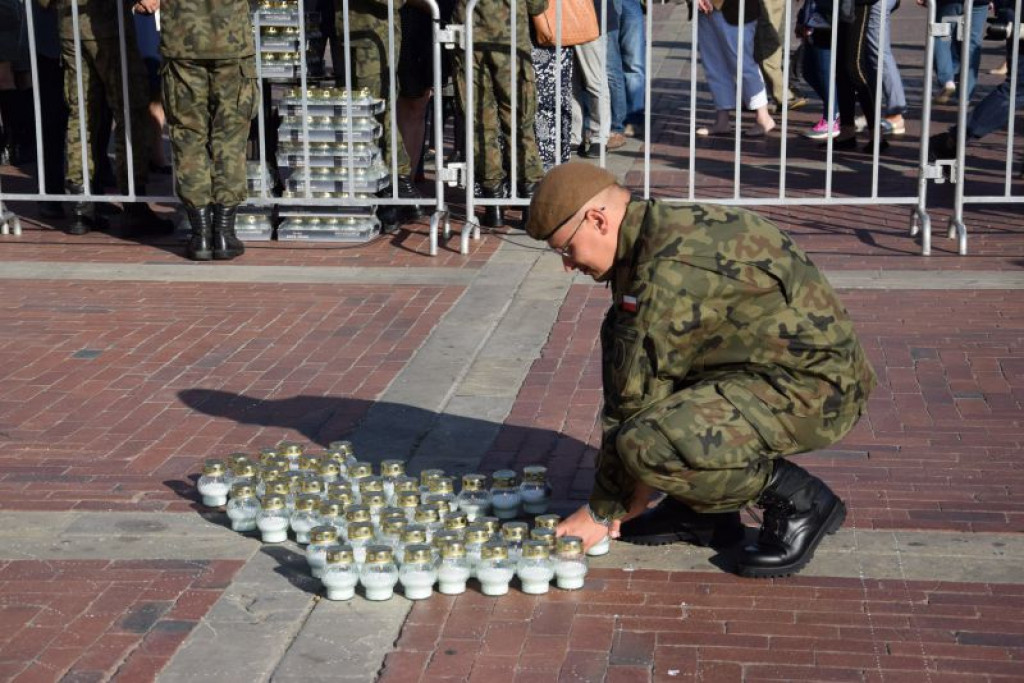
x: 822, y: 130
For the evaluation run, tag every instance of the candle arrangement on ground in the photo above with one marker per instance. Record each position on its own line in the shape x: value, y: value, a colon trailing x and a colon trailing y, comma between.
x: 387, y: 530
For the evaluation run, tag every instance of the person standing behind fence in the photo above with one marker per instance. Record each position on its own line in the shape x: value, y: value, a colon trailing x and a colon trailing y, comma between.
x: 370, y: 64
x: 210, y: 95
x: 101, y: 80
x: 947, y: 49
x: 768, y: 45
x: 492, y: 96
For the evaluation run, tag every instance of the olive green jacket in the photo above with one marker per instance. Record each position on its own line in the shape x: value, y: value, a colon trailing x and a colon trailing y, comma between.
x: 492, y: 23
x: 206, y: 29
x: 703, y: 291
x: 97, y: 19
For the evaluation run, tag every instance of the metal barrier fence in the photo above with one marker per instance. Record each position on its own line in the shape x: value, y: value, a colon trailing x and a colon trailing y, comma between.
x: 450, y: 172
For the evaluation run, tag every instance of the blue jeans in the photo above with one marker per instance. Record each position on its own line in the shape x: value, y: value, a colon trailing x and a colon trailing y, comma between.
x: 947, y: 50
x: 633, y: 47
x: 816, y: 63
x: 892, y: 84
x: 993, y: 112
x: 616, y: 79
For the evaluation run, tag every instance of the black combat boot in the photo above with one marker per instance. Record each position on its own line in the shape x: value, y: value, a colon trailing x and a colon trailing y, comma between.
x: 200, y: 243
x: 83, y: 217
x: 675, y: 522
x: 799, y: 510
x: 226, y: 244
x: 494, y: 216
x: 143, y: 219
x: 407, y: 190
x: 528, y: 190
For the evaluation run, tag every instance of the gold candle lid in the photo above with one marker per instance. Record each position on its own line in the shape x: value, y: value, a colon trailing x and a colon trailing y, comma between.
x: 371, y: 484
x: 515, y: 531
x: 446, y: 536
x: 476, y: 533
x: 323, y: 534
x: 375, y: 500
x: 340, y: 554
x: 546, y: 521
x: 441, y: 485
x: 290, y: 449
x: 392, y: 468
x: 417, y: 552
x: 279, y: 488
x: 394, y: 526
x: 273, y: 502
x: 280, y: 463
x: 312, y: 486
x: 494, y: 550
x: 408, y: 500
x: 405, y: 484
x: 535, y: 550
x: 570, y: 544
x: 504, y: 479
x: 268, y: 455
x: 245, y: 469
x: 344, y: 497
x: 379, y: 553
x: 271, y: 474
x: 329, y: 468
x: 391, y: 511
x: 453, y: 550
x: 547, y: 536
x: 309, y: 463
x: 537, y: 474
x: 331, y: 508
x: 427, y: 475
x: 456, y: 520
x: 492, y: 524
x: 414, y: 533
x: 238, y: 459
x: 337, y: 488
x: 214, y: 468
x: 342, y: 447
x: 357, y: 513
x: 360, y: 531
x: 360, y: 470
x: 242, y: 491
x: 307, y: 503
x: 426, y: 515
x: 474, y: 482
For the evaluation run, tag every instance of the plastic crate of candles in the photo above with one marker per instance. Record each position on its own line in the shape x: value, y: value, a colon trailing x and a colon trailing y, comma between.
x: 256, y: 177
x: 329, y: 129
x: 332, y: 102
x: 284, y: 38
x: 325, y: 228
x: 283, y: 13
x: 254, y: 224
x: 327, y: 154
x: 287, y: 65
x: 371, y: 179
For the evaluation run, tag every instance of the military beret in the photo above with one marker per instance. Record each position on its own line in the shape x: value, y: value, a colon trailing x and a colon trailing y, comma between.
x: 561, y: 194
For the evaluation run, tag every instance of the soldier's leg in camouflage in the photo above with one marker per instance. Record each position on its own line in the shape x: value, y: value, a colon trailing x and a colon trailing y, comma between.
x: 711, y: 447
x: 187, y: 102
x: 234, y: 102
x: 491, y: 105
x: 83, y: 216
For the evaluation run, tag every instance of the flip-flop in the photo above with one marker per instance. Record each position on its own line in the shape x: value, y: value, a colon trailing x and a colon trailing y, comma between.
x: 705, y: 132
x: 756, y: 131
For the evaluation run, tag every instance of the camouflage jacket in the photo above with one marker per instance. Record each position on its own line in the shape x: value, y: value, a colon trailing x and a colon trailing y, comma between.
x: 492, y: 23
x: 97, y: 19
x: 702, y: 291
x: 206, y: 29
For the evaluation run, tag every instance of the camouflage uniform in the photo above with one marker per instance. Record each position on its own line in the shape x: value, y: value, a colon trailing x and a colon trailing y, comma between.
x: 492, y: 73
x: 368, y: 41
x: 210, y: 95
x: 101, y: 79
x: 724, y: 348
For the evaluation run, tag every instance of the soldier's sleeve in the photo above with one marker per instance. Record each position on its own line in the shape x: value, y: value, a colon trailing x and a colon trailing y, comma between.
x: 535, y: 7
x: 613, y: 486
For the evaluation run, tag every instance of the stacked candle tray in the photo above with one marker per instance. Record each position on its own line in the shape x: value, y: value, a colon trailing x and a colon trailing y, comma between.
x: 382, y: 528
x: 328, y: 141
x: 280, y: 40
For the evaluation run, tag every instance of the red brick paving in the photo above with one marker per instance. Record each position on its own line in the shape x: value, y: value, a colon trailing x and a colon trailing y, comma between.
x: 185, y: 371
x: 667, y: 626
x: 85, y: 620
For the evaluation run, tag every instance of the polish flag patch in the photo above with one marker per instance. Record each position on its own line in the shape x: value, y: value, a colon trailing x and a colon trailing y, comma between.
x: 629, y: 304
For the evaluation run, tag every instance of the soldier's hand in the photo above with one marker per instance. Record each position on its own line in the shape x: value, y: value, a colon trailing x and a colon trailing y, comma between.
x: 146, y: 6
x: 639, y: 503
x: 581, y: 524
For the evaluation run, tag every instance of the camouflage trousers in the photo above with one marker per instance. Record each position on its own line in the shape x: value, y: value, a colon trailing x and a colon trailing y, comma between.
x: 209, y: 104
x: 369, y: 62
x: 101, y: 81
x: 711, y: 445
x: 492, y: 95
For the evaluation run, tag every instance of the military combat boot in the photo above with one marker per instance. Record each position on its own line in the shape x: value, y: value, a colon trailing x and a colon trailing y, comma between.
x: 493, y: 216
x: 226, y: 244
x: 674, y: 522
x: 528, y: 190
x: 407, y: 190
x: 799, y: 510
x: 200, y: 243
x: 83, y: 216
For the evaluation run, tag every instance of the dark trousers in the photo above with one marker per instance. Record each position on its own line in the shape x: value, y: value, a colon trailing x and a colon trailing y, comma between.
x: 854, y: 75
x: 54, y: 122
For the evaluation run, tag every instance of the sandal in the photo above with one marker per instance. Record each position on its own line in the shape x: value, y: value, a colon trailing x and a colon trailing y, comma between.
x: 706, y: 132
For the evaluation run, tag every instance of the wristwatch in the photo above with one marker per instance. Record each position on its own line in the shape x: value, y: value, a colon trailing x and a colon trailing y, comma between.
x: 603, y: 521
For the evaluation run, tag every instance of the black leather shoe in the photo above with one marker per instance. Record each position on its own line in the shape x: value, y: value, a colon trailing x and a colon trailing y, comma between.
x: 200, y: 243
x: 407, y: 190
x: 675, y: 522
x: 226, y: 244
x: 528, y: 190
x: 494, y: 216
x: 799, y: 510
x: 83, y: 217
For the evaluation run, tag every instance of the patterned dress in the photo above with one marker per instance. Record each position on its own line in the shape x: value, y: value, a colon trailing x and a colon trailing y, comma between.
x: 546, y: 65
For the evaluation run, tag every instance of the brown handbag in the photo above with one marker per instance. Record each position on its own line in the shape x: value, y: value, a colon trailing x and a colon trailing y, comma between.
x: 579, y: 23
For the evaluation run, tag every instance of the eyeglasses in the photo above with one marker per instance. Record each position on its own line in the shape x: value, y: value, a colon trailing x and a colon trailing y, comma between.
x: 565, y: 251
